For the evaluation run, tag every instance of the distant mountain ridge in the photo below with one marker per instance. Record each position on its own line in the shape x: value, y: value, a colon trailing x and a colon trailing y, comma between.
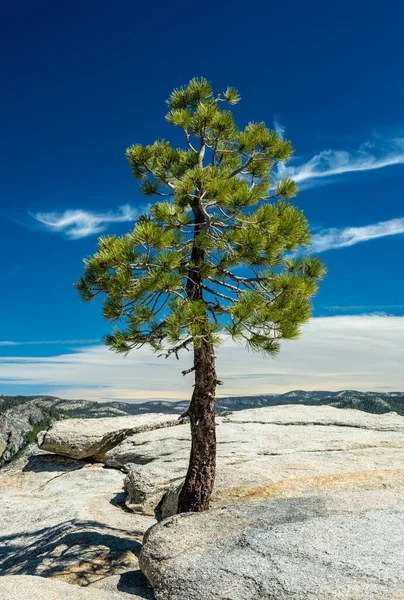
x: 373, y: 402
x: 22, y: 416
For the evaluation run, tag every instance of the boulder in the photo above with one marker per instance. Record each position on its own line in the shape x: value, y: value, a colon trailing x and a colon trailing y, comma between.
x: 154, y: 460
x: 26, y: 587
x: 64, y: 518
x: 92, y: 438
x: 283, y: 451
x: 342, y: 546
x: 142, y: 493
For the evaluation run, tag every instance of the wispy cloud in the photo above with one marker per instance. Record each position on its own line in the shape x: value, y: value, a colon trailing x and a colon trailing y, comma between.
x: 279, y: 128
x: 78, y: 223
x: 355, y: 352
x: 328, y: 164
x: 328, y: 239
x: 48, y: 342
x: 365, y: 308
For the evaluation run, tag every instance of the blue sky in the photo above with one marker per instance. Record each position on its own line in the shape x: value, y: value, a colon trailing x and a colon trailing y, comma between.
x: 81, y: 82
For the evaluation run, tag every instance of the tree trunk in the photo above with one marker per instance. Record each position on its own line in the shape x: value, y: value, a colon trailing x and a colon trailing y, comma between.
x: 200, y: 477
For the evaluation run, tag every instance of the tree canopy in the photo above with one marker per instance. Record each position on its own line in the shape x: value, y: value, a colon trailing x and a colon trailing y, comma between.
x: 220, y: 250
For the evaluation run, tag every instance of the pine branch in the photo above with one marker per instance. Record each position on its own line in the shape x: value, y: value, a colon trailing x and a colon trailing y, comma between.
x: 228, y: 286
x: 244, y: 279
x: 216, y: 293
x: 167, y: 183
x: 240, y: 169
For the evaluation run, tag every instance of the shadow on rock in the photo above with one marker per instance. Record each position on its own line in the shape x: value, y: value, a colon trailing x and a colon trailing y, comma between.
x: 79, y: 552
x: 134, y: 582
x: 40, y: 463
x: 119, y: 501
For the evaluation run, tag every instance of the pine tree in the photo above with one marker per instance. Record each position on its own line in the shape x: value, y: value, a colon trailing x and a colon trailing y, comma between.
x: 216, y: 255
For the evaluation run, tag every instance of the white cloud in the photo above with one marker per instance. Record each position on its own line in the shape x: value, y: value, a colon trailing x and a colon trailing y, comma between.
x: 47, y: 342
x: 355, y: 352
x: 328, y: 164
x: 343, y: 237
x: 78, y: 223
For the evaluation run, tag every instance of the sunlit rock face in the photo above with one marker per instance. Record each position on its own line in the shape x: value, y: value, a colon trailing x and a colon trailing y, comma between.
x: 343, y: 545
x: 283, y: 451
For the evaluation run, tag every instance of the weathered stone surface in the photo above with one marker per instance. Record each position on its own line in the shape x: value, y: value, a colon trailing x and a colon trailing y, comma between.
x: 272, y: 452
x: 63, y: 518
x: 85, y: 438
x: 26, y: 587
x: 345, y: 546
x: 168, y: 445
x: 318, y: 415
x: 14, y: 424
x: 154, y: 460
x: 168, y: 505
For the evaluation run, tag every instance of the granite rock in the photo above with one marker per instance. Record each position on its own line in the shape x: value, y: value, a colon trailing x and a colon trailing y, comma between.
x: 284, y: 451
x: 344, y: 546
x: 64, y: 518
x: 85, y: 438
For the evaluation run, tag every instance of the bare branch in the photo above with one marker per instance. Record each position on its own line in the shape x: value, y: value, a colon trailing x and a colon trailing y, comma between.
x: 177, y: 348
x: 187, y: 136
x: 187, y: 371
x: 202, y: 148
x: 214, y: 152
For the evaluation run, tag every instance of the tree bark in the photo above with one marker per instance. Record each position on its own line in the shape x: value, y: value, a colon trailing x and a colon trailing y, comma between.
x: 200, y: 477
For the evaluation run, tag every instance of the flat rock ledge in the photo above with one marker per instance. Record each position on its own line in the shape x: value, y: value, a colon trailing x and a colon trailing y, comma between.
x: 344, y: 546
x: 29, y: 587
x: 92, y: 438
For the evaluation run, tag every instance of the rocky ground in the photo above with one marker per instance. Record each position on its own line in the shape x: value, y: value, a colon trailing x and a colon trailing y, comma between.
x: 308, y: 503
x: 64, y: 519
